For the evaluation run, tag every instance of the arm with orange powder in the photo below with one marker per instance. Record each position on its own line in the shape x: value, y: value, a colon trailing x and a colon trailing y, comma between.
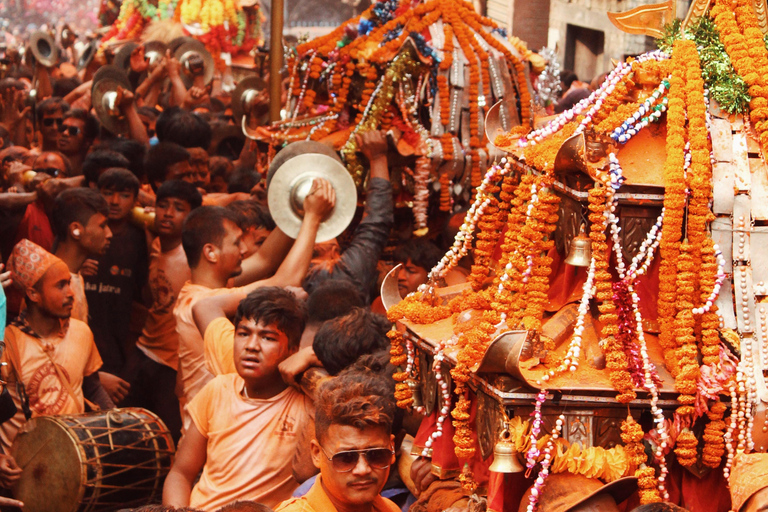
x: 189, y: 462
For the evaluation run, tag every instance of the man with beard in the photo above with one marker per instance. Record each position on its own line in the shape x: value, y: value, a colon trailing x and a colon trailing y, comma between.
x: 214, y: 247
x: 51, y: 355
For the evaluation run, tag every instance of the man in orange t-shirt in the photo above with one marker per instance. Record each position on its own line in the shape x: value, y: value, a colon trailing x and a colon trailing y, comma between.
x: 52, y: 355
x: 212, y: 241
x: 353, y: 445
x: 245, y: 426
x: 152, y: 375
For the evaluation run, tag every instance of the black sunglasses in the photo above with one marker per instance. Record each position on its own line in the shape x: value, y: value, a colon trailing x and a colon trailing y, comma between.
x: 48, y: 121
x: 72, y: 130
x: 49, y: 170
x: 344, y: 462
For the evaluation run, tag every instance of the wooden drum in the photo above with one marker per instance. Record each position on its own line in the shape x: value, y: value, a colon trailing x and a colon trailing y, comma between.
x: 105, y: 460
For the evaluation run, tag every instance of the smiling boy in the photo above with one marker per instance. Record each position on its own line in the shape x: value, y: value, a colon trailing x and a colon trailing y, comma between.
x: 245, y: 426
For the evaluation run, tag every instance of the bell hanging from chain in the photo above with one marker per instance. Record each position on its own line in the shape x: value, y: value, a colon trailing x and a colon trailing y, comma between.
x: 415, y: 393
x: 505, y: 458
x: 580, y: 253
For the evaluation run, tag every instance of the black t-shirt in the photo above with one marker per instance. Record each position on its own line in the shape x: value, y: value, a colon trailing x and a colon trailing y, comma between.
x: 111, y: 292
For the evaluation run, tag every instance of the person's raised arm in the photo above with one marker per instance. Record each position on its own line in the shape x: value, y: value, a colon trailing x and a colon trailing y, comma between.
x: 317, y: 205
x: 178, y: 89
x: 189, y: 461
x: 209, y: 309
x: 136, y: 129
x: 264, y: 262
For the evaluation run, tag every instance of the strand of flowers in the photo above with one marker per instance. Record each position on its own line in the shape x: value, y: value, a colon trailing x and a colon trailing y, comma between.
x: 639, y: 120
x: 600, y: 201
x: 445, y: 391
x: 744, y: 44
x: 686, y: 352
x: 674, y: 205
x: 488, y: 233
x: 539, y: 484
x: 508, y: 282
x: 596, y: 100
x: 463, y: 240
x: 544, y: 218
x: 714, y: 444
x: 632, y: 436
x: 750, y: 397
x: 399, y: 358
x: 472, y: 345
x: 732, y: 426
x: 533, y: 451
x: 300, y: 102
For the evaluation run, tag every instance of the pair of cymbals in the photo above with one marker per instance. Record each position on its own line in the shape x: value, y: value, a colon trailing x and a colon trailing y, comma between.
x: 289, y: 182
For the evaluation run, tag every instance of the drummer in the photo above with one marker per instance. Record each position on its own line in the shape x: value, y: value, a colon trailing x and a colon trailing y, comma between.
x: 52, y: 355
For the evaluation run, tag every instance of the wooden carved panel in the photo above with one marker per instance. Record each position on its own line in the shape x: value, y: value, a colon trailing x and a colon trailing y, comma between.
x: 569, y: 219
x: 635, y: 223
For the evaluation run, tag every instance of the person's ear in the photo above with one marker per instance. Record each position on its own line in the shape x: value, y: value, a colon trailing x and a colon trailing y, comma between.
x: 316, y: 452
x: 211, y: 253
x: 76, y: 230
x: 32, y: 294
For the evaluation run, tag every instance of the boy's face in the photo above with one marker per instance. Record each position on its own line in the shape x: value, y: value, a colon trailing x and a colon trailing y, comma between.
x: 96, y: 235
x: 120, y: 203
x: 253, y: 238
x: 410, y: 277
x: 258, y: 350
x: 170, y: 215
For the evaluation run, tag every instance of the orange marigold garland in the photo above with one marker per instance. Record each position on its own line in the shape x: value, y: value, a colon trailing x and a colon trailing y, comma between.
x: 632, y: 436
x: 615, y: 358
x: 674, y: 205
x: 714, y: 442
x: 743, y: 40
x: 688, y: 368
x: 685, y: 448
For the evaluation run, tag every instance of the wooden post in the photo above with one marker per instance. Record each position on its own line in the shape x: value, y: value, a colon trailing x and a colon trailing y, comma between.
x: 275, y: 59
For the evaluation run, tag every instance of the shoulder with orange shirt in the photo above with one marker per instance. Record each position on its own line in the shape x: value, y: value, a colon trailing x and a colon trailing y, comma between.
x: 316, y: 500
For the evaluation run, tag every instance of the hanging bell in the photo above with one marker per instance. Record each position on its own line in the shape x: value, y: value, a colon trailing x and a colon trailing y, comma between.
x: 580, y: 253
x: 415, y: 393
x: 505, y: 458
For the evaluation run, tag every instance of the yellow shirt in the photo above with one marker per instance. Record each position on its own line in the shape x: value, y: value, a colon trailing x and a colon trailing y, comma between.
x: 219, y: 347
x: 316, y: 500
x: 251, y: 443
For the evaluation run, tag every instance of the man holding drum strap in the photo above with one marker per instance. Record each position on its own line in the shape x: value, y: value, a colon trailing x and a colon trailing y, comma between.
x: 51, y: 355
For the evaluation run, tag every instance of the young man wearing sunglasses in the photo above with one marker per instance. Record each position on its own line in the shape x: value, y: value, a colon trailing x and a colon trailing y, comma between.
x: 246, y: 426
x: 50, y: 117
x: 353, y: 445
x: 76, y: 133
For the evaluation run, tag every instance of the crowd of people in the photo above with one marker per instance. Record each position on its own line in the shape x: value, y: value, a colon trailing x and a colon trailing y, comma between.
x: 144, y: 270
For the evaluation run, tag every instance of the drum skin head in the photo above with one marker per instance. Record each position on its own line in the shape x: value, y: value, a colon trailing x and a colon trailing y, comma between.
x: 52, y: 478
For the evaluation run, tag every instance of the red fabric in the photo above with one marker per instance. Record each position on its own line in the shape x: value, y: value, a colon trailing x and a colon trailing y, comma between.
x: 505, y: 491
x: 566, y: 283
x: 35, y: 227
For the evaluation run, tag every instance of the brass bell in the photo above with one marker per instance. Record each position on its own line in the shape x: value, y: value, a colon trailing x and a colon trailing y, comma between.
x: 580, y: 253
x: 505, y: 458
x: 415, y: 393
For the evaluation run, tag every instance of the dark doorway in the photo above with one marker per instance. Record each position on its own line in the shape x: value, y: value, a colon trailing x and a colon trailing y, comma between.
x: 584, y: 49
